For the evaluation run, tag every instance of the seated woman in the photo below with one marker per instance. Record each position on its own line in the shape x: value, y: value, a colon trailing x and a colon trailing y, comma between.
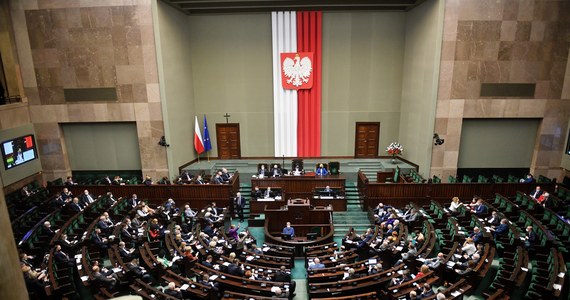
x: 321, y: 171
x: 155, y: 230
x: 455, y: 205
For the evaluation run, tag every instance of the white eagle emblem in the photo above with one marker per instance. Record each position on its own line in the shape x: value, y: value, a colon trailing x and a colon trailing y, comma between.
x: 297, y: 71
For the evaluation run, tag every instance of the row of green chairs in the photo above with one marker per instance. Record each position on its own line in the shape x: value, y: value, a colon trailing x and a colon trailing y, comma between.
x: 417, y: 178
x: 545, y: 274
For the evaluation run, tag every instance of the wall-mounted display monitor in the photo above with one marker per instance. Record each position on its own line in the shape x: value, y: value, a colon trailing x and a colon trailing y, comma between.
x: 18, y: 151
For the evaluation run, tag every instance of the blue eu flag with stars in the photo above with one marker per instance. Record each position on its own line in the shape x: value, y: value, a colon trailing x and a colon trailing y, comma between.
x: 207, y: 143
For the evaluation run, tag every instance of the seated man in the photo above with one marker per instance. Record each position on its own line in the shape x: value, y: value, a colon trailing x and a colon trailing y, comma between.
x: 297, y: 170
x: 327, y: 191
x: 256, y: 193
x: 502, y: 229
x: 138, y: 271
x: 173, y: 291
x: 276, y: 171
x: 321, y: 171
x: 288, y: 230
x: 108, y: 282
x: 225, y: 175
x: 316, y: 264
x: 262, y: 172
x: 268, y: 193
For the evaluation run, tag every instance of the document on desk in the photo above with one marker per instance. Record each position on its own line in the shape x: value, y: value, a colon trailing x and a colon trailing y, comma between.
x: 184, y: 286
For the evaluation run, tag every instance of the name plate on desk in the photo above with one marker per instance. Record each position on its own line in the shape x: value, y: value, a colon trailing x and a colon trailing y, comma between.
x: 265, y: 199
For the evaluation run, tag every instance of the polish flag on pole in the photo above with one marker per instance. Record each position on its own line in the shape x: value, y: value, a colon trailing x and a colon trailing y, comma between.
x: 198, y: 143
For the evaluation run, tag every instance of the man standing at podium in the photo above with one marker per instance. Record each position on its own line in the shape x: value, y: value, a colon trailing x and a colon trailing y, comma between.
x: 288, y: 230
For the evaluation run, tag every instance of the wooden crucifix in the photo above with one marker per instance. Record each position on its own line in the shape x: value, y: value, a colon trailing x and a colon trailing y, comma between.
x: 227, y: 116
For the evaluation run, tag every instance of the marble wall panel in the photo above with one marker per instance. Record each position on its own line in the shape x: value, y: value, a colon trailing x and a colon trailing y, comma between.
x: 505, y: 41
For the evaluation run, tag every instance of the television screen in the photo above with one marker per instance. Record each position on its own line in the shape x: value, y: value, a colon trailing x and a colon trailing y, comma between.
x: 18, y: 151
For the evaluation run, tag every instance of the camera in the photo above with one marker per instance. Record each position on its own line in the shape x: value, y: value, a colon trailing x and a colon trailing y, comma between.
x: 437, y: 141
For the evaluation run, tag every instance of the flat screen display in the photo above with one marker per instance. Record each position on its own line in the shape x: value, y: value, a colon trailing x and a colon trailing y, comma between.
x: 18, y: 151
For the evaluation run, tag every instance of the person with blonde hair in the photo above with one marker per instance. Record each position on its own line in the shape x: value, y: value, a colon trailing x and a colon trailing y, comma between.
x: 469, y: 247
x: 455, y: 205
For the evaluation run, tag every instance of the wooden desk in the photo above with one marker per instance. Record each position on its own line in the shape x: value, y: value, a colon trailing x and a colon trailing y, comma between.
x: 300, y: 186
x: 200, y: 194
x: 304, y: 218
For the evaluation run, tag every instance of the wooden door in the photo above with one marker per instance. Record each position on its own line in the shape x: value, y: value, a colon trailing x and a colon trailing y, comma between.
x: 366, y: 139
x: 227, y: 136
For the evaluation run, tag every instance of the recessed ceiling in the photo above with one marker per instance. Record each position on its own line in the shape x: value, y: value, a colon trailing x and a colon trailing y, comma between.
x: 191, y: 7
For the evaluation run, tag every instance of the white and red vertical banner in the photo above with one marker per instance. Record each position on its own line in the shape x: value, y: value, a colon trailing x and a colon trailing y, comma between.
x: 297, y: 48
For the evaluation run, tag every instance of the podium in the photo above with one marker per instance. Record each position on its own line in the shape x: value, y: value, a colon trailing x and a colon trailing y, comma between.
x: 308, y: 220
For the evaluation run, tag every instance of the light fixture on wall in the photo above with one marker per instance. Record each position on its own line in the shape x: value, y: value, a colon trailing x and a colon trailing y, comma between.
x: 163, y: 142
x: 437, y: 141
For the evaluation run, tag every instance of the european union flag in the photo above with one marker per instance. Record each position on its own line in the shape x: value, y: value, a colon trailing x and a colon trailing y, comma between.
x: 207, y: 143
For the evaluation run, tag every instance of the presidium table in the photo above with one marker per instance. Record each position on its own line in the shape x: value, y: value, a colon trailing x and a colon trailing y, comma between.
x: 313, y: 224
x: 306, y: 186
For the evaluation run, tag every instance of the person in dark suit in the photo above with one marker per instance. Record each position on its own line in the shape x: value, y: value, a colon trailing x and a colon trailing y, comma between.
x: 173, y: 291
x: 164, y: 180
x: 96, y: 238
x: 276, y: 171
x: 205, y: 280
x: 239, y: 203
x: 494, y: 220
x: 502, y: 229
x: 477, y: 235
x: 199, y: 180
x: 225, y: 175
x: 134, y: 201
x: 47, y: 230
x: 426, y: 291
x: 282, y: 275
x: 536, y: 193
x: 87, y: 198
x: 148, y: 181
x: 235, y: 269
x: 262, y: 171
x: 126, y: 235
x: 61, y: 257
x: 366, y: 238
x: 218, y: 178
x: 321, y: 171
x: 66, y: 244
x: 69, y: 181
x: 106, y: 180
x: 530, y: 238
x: 268, y: 193
x: 75, y: 205
x: 138, y: 271
x: 66, y: 194
x: 529, y: 179
x: 103, y: 225
x: 106, y: 281
x: 208, y: 261
x: 480, y: 208
x: 186, y: 177
x: 256, y: 193
x: 125, y: 253
x: 117, y: 181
